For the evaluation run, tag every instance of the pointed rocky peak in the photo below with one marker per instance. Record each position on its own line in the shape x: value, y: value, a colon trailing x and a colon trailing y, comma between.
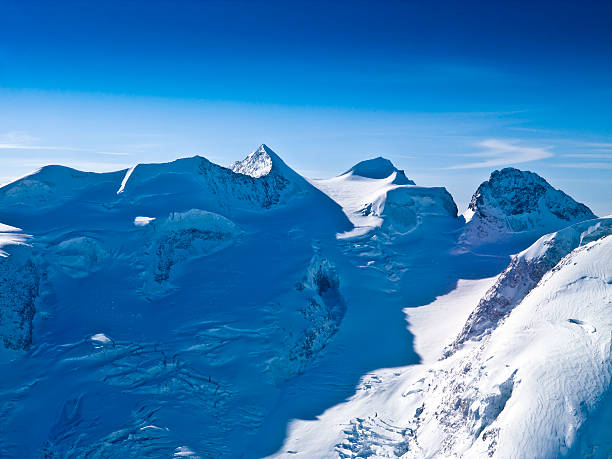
x: 259, y: 163
x: 513, y: 201
x: 379, y: 168
x: 266, y: 164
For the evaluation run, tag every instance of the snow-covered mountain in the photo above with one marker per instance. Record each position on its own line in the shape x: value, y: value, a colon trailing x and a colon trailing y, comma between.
x: 519, y: 202
x: 167, y: 288
x: 379, y: 168
x: 186, y: 309
x: 375, y: 194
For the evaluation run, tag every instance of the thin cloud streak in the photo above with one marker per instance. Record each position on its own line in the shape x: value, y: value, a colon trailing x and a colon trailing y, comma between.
x: 114, y: 153
x: 589, y: 156
x: 503, y: 153
x: 598, y: 144
x: 587, y: 165
x: 10, y: 146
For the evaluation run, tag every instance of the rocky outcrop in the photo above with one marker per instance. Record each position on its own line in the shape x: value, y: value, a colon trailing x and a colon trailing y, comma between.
x: 320, y: 314
x: 515, y: 201
x: 20, y: 279
x: 183, y: 236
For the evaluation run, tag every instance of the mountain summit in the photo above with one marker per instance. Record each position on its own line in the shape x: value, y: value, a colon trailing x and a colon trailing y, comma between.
x: 263, y: 162
x: 515, y: 201
x: 379, y: 168
x: 259, y: 163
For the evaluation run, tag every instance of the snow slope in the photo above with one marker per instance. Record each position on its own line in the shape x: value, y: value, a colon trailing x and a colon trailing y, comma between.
x: 534, y: 386
x: 523, y: 274
x: 52, y: 186
x: 554, y: 349
x: 433, y: 324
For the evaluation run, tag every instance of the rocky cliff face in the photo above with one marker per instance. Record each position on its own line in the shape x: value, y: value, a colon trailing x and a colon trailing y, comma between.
x: 20, y: 278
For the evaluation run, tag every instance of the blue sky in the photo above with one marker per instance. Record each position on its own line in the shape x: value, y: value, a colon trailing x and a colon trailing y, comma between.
x: 447, y: 90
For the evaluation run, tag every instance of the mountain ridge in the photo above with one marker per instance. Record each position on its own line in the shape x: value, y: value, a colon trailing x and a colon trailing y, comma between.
x: 186, y: 308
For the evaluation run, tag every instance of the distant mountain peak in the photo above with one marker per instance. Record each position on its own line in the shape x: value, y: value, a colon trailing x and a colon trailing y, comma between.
x: 259, y: 163
x: 514, y: 201
x: 263, y: 148
x: 379, y: 168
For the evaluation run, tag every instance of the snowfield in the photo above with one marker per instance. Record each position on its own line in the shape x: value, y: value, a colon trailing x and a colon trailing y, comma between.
x: 186, y: 309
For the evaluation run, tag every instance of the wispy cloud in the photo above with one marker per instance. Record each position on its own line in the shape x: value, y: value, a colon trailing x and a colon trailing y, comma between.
x: 533, y: 130
x: 603, y: 147
x: 587, y: 165
x: 114, y: 153
x: 24, y: 141
x: 598, y: 144
x: 17, y: 137
x: 589, y: 155
x: 503, y: 153
x: 13, y: 146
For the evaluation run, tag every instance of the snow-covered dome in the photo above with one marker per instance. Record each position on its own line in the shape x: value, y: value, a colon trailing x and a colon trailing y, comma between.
x: 379, y: 168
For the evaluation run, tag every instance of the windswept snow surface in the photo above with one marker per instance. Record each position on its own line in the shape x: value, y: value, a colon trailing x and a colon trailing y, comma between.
x: 523, y: 274
x: 9, y: 235
x: 251, y: 313
x: 434, y: 323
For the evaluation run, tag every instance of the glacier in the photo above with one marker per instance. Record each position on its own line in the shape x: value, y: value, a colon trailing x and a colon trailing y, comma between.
x: 186, y: 309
